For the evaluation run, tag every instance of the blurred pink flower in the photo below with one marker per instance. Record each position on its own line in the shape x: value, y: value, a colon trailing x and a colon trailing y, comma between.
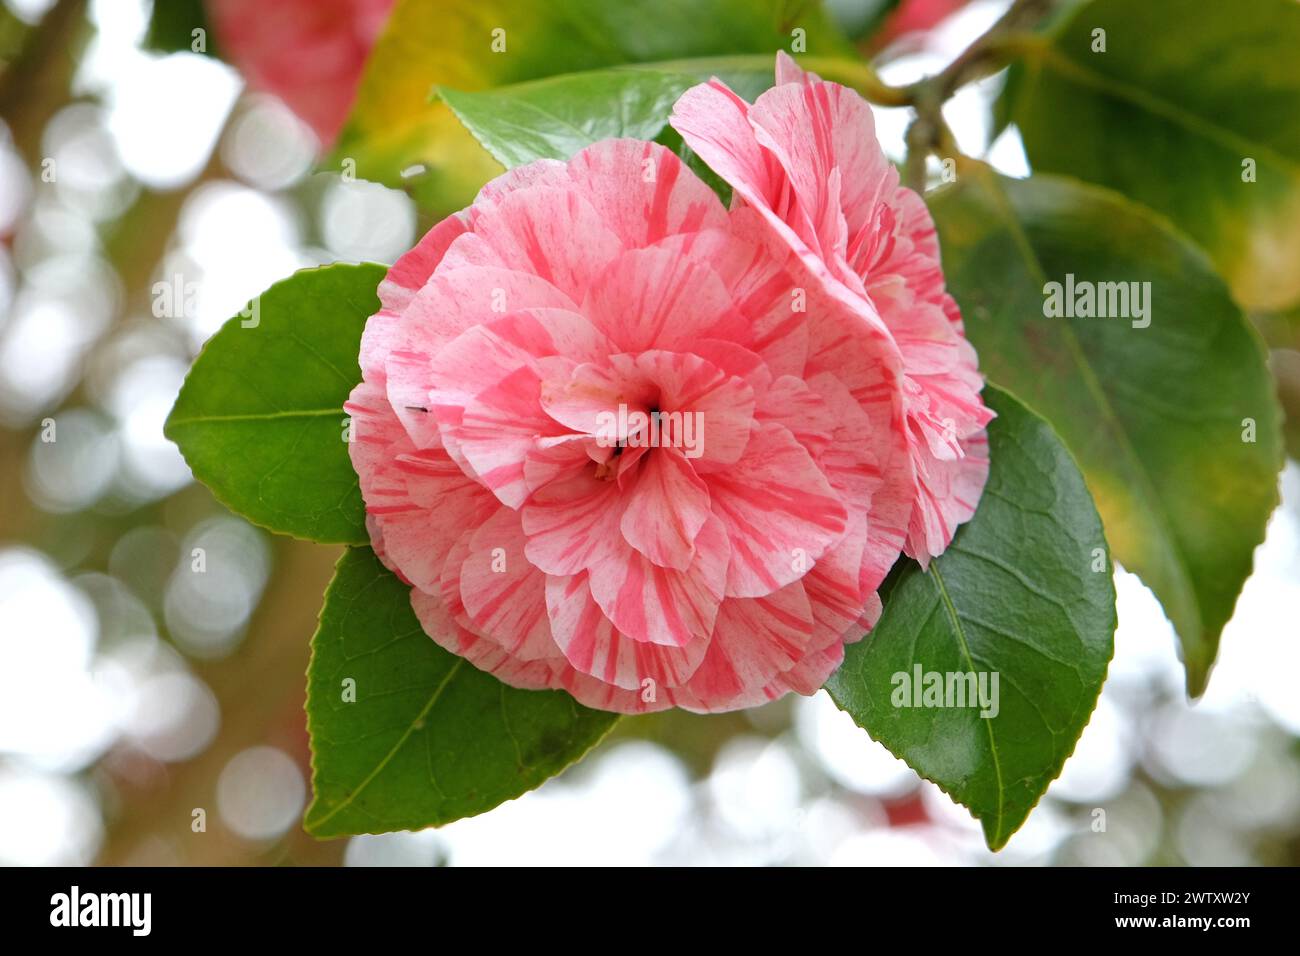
x: 806, y: 158
x: 309, y: 53
x: 618, y: 449
x: 915, y: 16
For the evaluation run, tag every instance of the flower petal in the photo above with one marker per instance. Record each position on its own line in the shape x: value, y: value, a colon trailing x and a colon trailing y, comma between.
x: 398, y: 481
x: 755, y: 640
x: 643, y: 191
x: 503, y: 594
x: 666, y: 509
x: 660, y: 605
x: 593, y: 645
x: 947, y: 495
x: 824, y: 135
x: 779, y: 511
x: 551, y: 232
x: 573, y: 524
x: 656, y: 299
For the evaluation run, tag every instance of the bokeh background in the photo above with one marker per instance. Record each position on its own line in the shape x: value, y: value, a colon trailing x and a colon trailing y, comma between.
x: 134, y: 692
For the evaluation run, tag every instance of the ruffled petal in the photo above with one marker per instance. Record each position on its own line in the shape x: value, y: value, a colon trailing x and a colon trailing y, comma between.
x: 948, y: 493
x: 594, y: 646
x: 654, y: 299
x: 779, y: 512
x: 666, y: 508
x: 643, y: 192
x: 399, y: 481
x: 756, y: 640
x: 502, y: 593
x: 574, y: 524
x: 660, y: 605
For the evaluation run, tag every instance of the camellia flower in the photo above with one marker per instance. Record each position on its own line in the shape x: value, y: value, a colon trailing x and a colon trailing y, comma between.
x: 805, y: 157
x: 617, y: 447
x: 309, y: 53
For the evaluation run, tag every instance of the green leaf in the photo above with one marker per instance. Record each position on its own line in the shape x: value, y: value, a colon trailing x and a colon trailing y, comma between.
x: 1184, y: 93
x: 859, y: 19
x: 260, y: 416
x: 558, y: 116
x: 172, y: 24
x: 1023, y: 592
x: 395, y: 127
x: 429, y: 738
x: 1159, y: 417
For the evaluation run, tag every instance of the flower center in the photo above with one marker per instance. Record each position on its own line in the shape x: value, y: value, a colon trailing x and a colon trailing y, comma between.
x: 607, y: 470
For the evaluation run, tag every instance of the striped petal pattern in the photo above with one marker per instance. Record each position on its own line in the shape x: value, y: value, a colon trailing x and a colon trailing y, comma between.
x: 622, y: 443
x: 804, y: 157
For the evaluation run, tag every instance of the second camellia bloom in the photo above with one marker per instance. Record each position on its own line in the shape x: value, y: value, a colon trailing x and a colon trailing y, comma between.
x: 805, y: 157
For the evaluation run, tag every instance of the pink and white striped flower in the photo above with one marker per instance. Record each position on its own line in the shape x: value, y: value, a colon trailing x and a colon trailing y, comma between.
x: 630, y: 573
x: 805, y: 157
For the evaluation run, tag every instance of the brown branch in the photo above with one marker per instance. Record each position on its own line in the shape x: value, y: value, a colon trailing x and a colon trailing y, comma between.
x: 37, y: 84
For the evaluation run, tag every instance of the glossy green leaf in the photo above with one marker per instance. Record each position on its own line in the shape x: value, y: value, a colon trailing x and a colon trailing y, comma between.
x: 1185, y: 93
x: 1023, y: 595
x: 396, y: 126
x: 405, y: 735
x: 558, y: 116
x: 260, y: 416
x: 1175, y: 424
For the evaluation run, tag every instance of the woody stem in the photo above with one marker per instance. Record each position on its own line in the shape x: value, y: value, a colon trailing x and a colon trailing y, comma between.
x: 990, y: 52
